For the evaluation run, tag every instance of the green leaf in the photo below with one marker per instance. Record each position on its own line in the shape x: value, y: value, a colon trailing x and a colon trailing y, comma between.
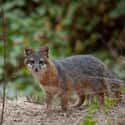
x: 118, y: 11
x: 70, y: 14
x: 89, y: 121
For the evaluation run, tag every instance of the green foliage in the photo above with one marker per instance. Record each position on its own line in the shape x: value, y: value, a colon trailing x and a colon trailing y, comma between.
x: 109, y: 102
x: 89, y: 119
x: 119, y: 10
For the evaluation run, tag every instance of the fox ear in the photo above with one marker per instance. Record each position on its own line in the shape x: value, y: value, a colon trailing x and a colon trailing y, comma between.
x: 44, y: 51
x: 28, y: 51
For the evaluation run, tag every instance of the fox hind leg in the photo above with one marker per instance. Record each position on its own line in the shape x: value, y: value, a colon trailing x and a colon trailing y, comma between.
x: 64, y: 101
x: 80, y: 100
x: 101, y: 98
x: 118, y: 96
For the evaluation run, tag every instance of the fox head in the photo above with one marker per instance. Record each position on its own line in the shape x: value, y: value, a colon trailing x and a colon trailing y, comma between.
x: 36, y: 61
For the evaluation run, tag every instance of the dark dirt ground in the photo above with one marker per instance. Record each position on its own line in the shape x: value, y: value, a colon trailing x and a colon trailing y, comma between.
x: 20, y: 112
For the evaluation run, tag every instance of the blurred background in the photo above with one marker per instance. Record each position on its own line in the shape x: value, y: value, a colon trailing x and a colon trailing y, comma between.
x: 69, y: 27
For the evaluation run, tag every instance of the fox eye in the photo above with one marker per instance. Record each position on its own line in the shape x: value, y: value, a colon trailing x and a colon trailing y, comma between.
x: 32, y: 61
x: 42, y: 62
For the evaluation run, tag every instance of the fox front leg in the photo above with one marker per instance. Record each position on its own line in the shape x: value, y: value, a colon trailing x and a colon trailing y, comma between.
x: 64, y: 101
x: 49, y: 102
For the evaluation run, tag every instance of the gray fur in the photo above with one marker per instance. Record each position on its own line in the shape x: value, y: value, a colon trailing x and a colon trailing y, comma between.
x: 81, y: 68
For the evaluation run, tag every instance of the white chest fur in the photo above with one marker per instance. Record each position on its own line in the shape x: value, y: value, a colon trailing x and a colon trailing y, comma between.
x: 38, y: 77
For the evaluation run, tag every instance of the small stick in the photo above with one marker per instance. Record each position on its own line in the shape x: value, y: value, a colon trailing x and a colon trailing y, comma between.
x: 4, y: 56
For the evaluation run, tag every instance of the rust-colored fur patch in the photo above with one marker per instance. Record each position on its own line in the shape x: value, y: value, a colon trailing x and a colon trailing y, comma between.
x: 50, y: 77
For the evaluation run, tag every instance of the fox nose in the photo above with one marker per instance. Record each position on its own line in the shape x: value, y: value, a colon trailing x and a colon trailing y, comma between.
x: 36, y: 69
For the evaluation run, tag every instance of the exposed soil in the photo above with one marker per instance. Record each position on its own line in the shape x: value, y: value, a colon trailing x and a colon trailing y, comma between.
x: 24, y: 113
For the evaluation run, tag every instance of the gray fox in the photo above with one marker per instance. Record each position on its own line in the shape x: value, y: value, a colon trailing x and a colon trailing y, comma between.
x: 81, y: 73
